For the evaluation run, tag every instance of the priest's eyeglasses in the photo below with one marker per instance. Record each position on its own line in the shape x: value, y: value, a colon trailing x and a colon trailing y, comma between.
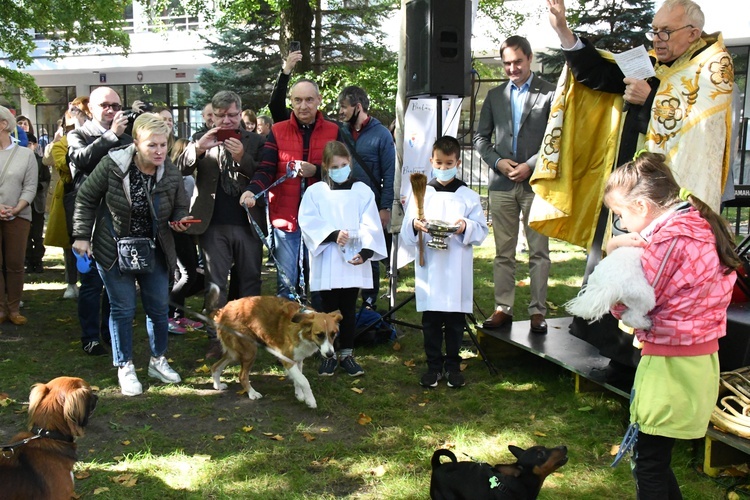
x: 664, y: 34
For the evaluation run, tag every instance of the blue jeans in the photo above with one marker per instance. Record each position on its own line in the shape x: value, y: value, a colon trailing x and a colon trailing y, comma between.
x: 122, y: 296
x: 286, y: 255
x: 93, y: 308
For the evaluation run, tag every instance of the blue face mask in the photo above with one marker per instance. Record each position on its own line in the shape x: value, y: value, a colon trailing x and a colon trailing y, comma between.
x: 445, y: 175
x: 339, y: 175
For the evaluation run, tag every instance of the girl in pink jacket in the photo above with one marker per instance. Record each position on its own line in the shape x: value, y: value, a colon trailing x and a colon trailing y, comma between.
x: 689, y: 260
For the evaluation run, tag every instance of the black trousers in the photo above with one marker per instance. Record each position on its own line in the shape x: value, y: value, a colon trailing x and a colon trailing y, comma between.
x: 654, y: 479
x: 345, y: 300
x: 437, y: 325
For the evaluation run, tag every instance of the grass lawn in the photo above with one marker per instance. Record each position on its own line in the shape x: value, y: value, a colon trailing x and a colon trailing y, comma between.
x: 371, y: 437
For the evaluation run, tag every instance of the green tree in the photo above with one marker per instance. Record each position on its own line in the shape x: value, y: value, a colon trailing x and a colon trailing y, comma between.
x: 613, y: 25
x: 342, y: 46
x: 70, y: 27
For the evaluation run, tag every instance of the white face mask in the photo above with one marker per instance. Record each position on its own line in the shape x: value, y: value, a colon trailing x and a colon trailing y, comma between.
x: 341, y: 174
x: 445, y: 175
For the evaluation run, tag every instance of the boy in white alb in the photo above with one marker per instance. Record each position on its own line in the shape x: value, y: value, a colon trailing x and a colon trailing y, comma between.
x: 445, y: 284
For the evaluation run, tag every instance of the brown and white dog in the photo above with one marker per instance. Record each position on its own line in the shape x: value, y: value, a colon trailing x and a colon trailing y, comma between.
x: 281, y: 327
x: 39, y: 464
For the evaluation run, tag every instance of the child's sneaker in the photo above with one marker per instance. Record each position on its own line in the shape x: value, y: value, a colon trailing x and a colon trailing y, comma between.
x: 175, y: 328
x: 190, y: 324
x: 129, y: 384
x: 430, y: 379
x: 327, y: 366
x: 351, y: 366
x: 71, y: 292
x: 455, y: 379
x: 159, y: 368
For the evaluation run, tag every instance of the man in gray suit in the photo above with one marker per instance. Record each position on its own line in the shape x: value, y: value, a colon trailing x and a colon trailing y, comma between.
x: 516, y: 112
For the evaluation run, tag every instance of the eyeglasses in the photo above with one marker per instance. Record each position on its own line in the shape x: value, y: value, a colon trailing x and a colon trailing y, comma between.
x: 230, y: 115
x: 113, y: 106
x: 664, y: 34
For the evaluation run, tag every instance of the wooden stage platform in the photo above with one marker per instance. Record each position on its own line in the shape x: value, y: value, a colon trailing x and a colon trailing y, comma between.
x: 579, y: 357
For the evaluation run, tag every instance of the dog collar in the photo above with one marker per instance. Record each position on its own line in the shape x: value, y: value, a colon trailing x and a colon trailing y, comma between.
x: 57, y: 436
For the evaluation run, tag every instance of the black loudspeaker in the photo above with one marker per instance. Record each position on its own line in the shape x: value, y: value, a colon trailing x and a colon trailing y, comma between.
x: 438, y: 42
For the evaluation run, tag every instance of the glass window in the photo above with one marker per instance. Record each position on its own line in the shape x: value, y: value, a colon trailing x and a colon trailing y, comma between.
x: 155, y: 93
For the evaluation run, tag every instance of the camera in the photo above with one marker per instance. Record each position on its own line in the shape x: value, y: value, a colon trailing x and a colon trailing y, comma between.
x: 139, y: 107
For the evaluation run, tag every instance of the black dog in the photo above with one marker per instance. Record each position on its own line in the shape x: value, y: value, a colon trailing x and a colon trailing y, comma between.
x: 470, y: 480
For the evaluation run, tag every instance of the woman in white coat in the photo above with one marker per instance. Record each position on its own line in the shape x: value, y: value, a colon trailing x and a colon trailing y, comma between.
x: 342, y: 230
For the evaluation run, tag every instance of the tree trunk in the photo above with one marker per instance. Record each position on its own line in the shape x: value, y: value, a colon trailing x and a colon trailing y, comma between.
x: 296, y: 20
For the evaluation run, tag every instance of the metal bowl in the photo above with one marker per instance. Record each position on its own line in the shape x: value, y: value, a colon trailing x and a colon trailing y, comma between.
x: 439, y: 230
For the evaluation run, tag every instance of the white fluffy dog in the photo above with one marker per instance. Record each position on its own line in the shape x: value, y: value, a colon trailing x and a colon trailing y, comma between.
x: 617, y: 278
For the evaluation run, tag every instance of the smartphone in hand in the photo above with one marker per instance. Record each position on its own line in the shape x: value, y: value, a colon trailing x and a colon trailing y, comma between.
x: 225, y: 133
x: 294, y: 46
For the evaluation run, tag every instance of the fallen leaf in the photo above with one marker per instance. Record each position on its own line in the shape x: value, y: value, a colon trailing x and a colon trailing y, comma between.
x: 614, y: 449
x: 281, y: 378
x: 75, y: 495
x: 308, y: 437
x: 585, y: 408
x: 218, y: 437
x: 357, y: 390
x: 422, y: 404
x: 247, y: 428
x: 101, y: 490
x: 222, y: 419
x: 241, y: 392
x: 82, y: 474
x: 277, y: 437
x: 733, y: 495
x: 532, y: 417
x: 127, y: 480
x: 363, y: 419
x: 117, y: 457
x: 427, y: 427
x: 462, y: 366
x: 154, y: 415
x: 540, y: 434
x: 551, y: 306
x: 410, y: 363
x: 378, y: 471
x: 177, y: 415
x: 396, y: 346
x: 203, y: 369
x: 95, y: 388
x: 125, y: 443
x: 268, y: 433
x: 324, y: 429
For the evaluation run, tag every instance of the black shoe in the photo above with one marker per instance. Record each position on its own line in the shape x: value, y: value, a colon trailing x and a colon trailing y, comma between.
x: 94, y: 348
x: 430, y: 379
x: 455, y: 379
x: 327, y: 366
x: 351, y: 366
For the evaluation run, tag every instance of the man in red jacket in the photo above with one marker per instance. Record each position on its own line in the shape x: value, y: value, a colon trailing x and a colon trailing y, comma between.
x: 299, y: 139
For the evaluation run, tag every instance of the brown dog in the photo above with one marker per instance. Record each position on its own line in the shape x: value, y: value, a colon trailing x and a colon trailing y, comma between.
x: 39, y: 464
x: 282, y: 328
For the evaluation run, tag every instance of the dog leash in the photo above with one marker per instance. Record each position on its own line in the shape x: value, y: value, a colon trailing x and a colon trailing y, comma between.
x: 627, y: 445
x: 7, y: 450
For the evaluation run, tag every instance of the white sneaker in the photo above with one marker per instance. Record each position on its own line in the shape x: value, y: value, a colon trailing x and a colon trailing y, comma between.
x: 159, y: 368
x: 129, y: 384
x: 71, y: 292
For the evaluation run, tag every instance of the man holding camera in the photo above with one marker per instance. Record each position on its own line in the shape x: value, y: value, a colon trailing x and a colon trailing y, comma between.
x: 87, y: 145
x: 225, y: 158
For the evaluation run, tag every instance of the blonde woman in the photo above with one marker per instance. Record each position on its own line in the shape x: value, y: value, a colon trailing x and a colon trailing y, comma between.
x: 133, y: 191
x: 18, y: 181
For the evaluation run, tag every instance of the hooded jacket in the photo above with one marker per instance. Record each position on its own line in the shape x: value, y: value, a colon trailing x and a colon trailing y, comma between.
x: 691, y: 286
x: 109, y: 185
